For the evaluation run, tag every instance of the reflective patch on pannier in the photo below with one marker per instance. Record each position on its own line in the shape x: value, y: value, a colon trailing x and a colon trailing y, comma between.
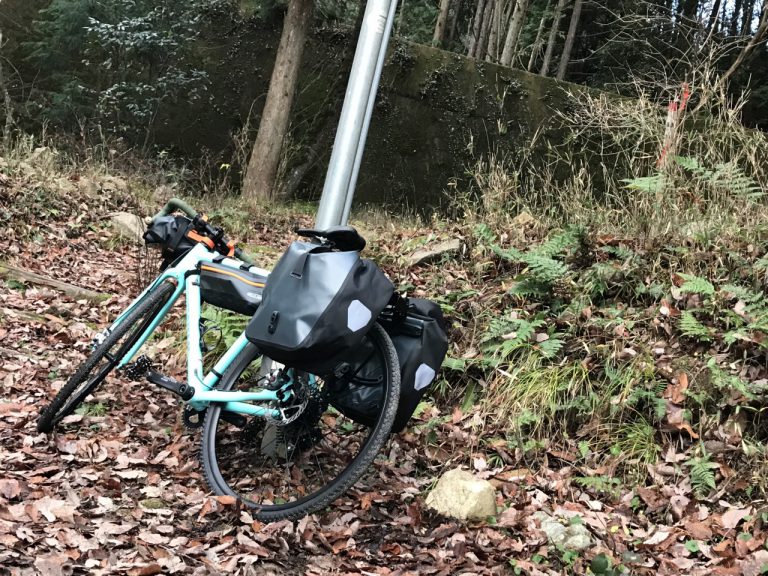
x: 236, y: 290
x: 358, y: 316
x: 421, y: 344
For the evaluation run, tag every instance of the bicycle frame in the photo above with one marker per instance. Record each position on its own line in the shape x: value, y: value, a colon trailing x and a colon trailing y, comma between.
x: 184, y: 275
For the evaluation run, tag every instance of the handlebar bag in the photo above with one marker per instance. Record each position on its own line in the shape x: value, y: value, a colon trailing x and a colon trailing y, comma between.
x: 421, y: 343
x: 232, y: 289
x: 317, y: 307
x: 170, y: 234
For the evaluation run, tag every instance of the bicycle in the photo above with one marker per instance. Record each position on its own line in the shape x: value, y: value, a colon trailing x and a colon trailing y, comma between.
x: 268, y: 430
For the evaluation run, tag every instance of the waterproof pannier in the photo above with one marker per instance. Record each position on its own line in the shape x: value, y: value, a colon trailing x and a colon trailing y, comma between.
x: 421, y: 342
x: 318, y: 305
x: 232, y: 289
x: 170, y: 234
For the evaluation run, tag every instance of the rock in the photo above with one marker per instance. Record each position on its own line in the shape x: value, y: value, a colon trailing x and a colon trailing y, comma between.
x: 65, y: 186
x: 459, y: 494
x: 128, y: 225
x: 566, y: 536
x: 87, y: 186
x: 163, y: 193
x: 114, y: 183
x: 523, y: 219
x: 449, y: 247
x: 41, y: 155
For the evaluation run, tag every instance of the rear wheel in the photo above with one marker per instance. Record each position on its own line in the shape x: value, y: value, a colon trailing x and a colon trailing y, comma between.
x: 104, y: 358
x: 292, y: 470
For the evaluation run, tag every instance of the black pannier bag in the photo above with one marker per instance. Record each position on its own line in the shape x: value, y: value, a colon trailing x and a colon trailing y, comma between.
x: 421, y: 343
x: 317, y: 307
x: 236, y: 290
x: 169, y: 233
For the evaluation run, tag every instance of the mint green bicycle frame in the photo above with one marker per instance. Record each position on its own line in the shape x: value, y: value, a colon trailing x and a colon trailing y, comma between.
x: 184, y: 275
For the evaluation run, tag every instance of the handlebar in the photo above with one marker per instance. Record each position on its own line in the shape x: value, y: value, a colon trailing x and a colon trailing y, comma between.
x: 176, y: 204
x: 200, y: 223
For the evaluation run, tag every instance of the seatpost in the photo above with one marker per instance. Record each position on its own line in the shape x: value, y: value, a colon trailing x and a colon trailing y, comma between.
x: 356, y: 114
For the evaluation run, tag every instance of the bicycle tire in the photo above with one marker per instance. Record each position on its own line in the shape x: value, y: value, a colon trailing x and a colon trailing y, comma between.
x: 81, y: 384
x: 349, y: 475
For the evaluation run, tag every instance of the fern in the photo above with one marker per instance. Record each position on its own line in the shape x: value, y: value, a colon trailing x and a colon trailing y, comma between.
x: 648, y: 184
x: 560, y: 243
x: 702, y: 474
x: 550, y: 348
x: 733, y: 292
x: 728, y: 177
x: 695, y: 285
x: 692, y: 328
x: 484, y: 233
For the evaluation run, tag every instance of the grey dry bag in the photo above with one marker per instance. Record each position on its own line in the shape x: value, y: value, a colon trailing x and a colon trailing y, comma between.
x: 317, y: 306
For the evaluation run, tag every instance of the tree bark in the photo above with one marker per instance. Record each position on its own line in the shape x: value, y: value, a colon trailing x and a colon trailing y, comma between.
x: 713, y: 17
x: 453, y: 18
x: 492, y: 53
x: 513, y: 33
x: 438, y: 38
x: 746, y: 18
x: 569, y: 40
x: 482, y: 42
x: 7, y: 104
x: 734, y: 28
x: 552, y: 37
x: 536, y: 48
x: 477, y: 24
x: 261, y: 175
x: 760, y: 34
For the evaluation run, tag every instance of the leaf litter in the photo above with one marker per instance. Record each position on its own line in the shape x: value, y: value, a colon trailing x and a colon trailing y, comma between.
x: 119, y: 491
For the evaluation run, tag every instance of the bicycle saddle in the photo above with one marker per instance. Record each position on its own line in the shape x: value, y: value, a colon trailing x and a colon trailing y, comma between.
x: 344, y: 238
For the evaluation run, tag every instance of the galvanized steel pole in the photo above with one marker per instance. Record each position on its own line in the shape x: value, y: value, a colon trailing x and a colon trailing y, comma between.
x: 351, y: 134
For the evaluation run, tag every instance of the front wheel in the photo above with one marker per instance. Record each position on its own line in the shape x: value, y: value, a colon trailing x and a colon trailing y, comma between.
x: 104, y: 359
x: 289, y: 471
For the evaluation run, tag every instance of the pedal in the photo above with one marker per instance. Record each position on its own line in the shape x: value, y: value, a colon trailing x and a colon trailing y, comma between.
x: 181, y: 389
x: 137, y: 369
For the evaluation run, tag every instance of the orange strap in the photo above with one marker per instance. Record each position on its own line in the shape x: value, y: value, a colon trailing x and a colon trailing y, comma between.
x: 192, y: 235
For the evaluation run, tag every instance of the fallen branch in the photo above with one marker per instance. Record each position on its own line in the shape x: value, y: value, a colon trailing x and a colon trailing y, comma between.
x: 76, y: 292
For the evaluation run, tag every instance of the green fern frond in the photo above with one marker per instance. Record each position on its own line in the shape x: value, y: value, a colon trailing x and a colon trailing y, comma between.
x: 692, y: 328
x: 702, y: 474
x: 530, y: 287
x: 550, y: 348
x: 695, y: 285
x: 648, y: 184
x: 484, y: 234
x: 509, y: 254
x: 559, y: 243
x: 736, y: 292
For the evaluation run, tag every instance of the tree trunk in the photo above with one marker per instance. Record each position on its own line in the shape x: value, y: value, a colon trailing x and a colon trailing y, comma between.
x: 477, y: 24
x: 513, y: 34
x: 261, y: 174
x: 552, y: 37
x: 438, y: 38
x: 492, y: 53
x: 482, y: 42
x: 746, y: 18
x: 7, y: 104
x: 713, y: 17
x: 734, y: 30
x: 569, y: 40
x: 760, y: 34
x: 536, y: 48
x: 453, y: 18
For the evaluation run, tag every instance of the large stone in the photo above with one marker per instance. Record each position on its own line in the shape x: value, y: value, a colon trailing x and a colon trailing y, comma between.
x: 424, y: 255
x: 459, y: 494
x: 114, y: 183
x: 563, y: 533
x: 128, y: 225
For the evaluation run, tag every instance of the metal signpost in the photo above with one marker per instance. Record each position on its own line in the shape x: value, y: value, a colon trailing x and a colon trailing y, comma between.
x: 348, y: 147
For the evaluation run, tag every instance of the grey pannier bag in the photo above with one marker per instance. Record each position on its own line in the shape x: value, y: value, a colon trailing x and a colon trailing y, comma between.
x: 317, y: 306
